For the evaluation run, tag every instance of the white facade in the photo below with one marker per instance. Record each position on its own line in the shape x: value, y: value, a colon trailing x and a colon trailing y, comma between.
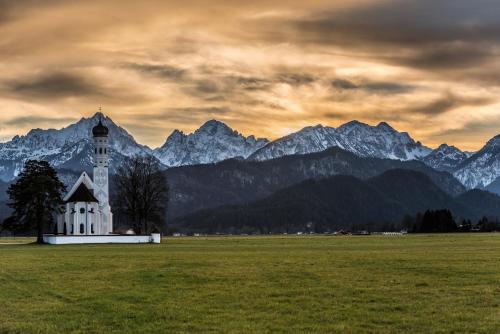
x: 101, y: 239
x: 87, y: 210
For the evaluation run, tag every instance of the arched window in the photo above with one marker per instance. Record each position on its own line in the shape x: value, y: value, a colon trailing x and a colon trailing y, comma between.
x: 95, y: 150
x: 72, y: 229
x: 100, y: 150
x: 92, y: 228
x: 105, y: 151
x: 82, y: 229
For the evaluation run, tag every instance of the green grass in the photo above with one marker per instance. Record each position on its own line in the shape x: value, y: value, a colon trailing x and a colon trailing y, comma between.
x: 411, y: 284
x: 16, y: 240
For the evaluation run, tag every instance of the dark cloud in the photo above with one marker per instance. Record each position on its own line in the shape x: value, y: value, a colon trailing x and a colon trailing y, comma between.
x: 387, y: 87
x: 343, y: 84
x: 372, y: 87
x: 419, y: 33
x: 208, y: 87
x: 411, y: 23
x: 252, y: 83
x: 449, y: 102
x: 335, y: 115
x: 162, y: 71
x: 471, y: 129
x: 30, y: 120
x: 449, y: 56
x: 295, y: 79
x: 53, y: 85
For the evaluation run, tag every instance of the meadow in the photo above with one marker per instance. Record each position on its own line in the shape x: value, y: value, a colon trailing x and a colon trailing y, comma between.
x: 276, y: 284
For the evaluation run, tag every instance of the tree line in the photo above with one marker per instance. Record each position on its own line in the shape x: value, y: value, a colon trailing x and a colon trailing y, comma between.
x: 442, y: 221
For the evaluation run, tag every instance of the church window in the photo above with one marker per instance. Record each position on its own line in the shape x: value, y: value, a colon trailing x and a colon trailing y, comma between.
x: 82, y: 229
x: 82, y: 210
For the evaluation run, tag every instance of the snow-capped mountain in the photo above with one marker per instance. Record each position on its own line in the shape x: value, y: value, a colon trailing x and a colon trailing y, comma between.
x: 380, y: 141
x: 445, y: 158
x: 482, y: 168
x: 214, y: 141
x: 69, y: 147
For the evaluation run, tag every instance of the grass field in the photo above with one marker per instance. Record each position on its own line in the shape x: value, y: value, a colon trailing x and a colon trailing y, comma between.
x: 322, y: 284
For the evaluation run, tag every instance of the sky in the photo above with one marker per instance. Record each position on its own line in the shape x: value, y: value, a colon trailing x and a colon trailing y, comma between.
x: 428, y: 67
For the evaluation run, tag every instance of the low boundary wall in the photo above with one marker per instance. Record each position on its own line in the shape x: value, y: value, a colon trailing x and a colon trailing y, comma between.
x: 101, y: 239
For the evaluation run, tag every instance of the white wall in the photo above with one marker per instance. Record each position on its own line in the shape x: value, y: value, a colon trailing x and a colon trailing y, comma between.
x: 101, y: 239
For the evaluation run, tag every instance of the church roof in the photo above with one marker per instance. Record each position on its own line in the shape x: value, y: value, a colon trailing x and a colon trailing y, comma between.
x: 82, y: 194
x: 85, y: 179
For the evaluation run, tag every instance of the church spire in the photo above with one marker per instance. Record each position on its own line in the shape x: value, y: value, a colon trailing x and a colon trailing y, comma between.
x: 100, y: 130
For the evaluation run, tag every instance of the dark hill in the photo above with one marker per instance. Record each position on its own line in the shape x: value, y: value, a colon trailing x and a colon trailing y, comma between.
x: 237, y: 182
x: 337, y: 202
x: 480, y: 203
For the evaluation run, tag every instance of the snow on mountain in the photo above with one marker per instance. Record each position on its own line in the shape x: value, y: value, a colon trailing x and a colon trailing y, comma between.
x: 445, y: 158
x: 380, y: 141
x: 482, y: 168
x: 69, y: 147
x: 214, y: 141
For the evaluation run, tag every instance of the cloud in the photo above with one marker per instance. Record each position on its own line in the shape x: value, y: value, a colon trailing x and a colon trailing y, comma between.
x: 295, y: 79
x: 266, y: 67
x: 52, y: 85
x: 449, y: 102
x: 162, y: 71
x: 423, y: 34
x: 372, y: 87
x: 30, y: 120
x: 182, y: 114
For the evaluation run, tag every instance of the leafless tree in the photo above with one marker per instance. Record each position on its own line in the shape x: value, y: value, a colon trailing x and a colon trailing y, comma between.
x: 142, y: 193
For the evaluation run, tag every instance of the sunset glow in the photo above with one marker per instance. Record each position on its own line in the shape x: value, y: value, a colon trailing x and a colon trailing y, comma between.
x: 427, y: 67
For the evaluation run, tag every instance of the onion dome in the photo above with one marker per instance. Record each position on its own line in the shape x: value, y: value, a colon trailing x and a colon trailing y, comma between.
x: 100, y: 130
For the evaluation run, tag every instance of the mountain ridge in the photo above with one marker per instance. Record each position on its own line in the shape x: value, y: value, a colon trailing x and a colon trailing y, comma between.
x: 71, y: 148
x: 340, y: 202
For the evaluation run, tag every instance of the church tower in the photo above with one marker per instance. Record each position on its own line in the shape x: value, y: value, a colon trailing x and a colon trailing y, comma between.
x: 101, y: 177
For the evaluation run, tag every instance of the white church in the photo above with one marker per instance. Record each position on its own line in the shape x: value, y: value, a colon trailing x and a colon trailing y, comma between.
x: 87, y: 216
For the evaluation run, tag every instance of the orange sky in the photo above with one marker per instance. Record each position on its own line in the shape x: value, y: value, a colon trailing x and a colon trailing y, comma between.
x: 427, y: 67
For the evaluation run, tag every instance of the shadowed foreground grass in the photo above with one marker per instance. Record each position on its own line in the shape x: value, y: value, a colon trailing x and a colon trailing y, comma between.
x: 411, y: 284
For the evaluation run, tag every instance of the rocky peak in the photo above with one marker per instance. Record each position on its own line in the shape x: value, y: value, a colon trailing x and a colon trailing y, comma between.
x: 215, y: 127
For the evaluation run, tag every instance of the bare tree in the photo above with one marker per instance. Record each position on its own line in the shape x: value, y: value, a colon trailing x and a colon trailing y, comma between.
x: 142, y: 193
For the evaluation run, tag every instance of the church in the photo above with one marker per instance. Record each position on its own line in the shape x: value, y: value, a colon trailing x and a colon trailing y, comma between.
x: 87, y: 210
x: 86, y: 216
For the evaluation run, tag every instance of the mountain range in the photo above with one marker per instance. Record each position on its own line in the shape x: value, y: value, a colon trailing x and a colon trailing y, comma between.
x: 70, y: 148
x: 239, y: 181
x: 222, y: 181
